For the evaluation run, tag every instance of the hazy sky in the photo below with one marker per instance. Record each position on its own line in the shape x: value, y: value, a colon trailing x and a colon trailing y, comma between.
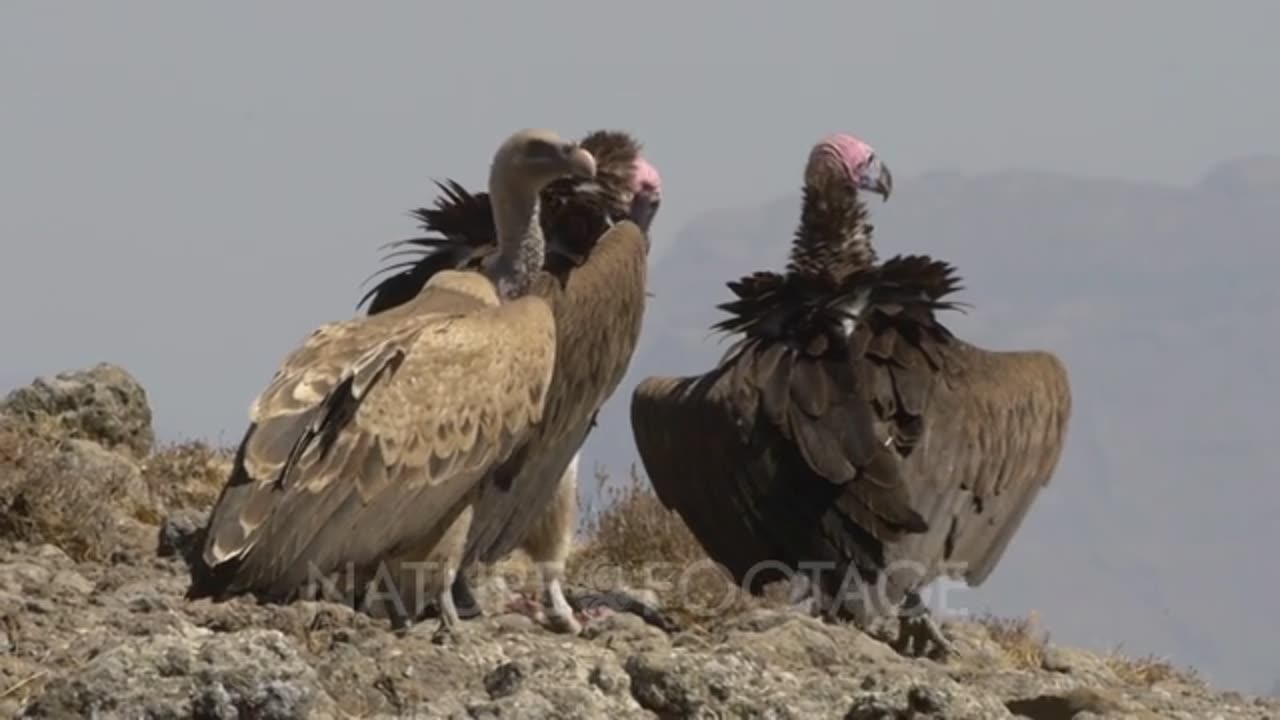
x: 187, y: 189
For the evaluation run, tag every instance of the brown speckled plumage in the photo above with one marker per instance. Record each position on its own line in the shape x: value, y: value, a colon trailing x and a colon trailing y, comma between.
x: 594, y: 280
x: 370, y: 442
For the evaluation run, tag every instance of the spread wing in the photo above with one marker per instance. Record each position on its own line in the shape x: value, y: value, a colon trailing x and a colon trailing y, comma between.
x: 775, y: 457
x: 688, y: 438
x: 373, y: 431
x: 994, y: 432
x: 902, y: 443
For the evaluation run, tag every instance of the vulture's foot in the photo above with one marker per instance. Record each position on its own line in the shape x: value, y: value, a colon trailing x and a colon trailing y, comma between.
x: 400, y: 624
x: 559, y: 621
x: 566, y: 624
x: 561, y: 618
x: 807, y: 607
x: 450, y: 630
x: 396, y: 615
x: 920, y: 636
x: 446, y: 634
x: 803, y: 599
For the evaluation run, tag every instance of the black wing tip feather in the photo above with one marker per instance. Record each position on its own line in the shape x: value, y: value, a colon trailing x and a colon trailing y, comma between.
x: 219, y: 582
x: 213, y: 583
x: 459, y: 223
x: 915, y: 524
x: 457, y: 226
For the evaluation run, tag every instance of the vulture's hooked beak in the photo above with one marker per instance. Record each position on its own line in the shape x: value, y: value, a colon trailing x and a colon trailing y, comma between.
x: 582, y: 164
x: 877, y: 179
x: 644, y: 207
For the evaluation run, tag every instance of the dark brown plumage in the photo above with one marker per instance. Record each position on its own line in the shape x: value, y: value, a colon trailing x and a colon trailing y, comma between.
x: 594, y: 280
x: 575, y: 213
x: 848, y: 426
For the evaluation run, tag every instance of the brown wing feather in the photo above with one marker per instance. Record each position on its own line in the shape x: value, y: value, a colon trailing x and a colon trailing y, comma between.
x: 599, y: 309
x: 801, y: 461
x: 690, y: 442
x: 918, y: 448
x: 994, y: 431
x: 373, y: 431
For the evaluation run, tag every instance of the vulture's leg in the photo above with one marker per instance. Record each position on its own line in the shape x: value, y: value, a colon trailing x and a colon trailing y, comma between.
x: 561, y: 616
x: 918, y: 631
x: 548, y: 544
x: 443, y: 562
x: 400, y: 620
x: 450, y: 624
x: 803, y: 596
x: 464, y: 600
x: 381, y: 596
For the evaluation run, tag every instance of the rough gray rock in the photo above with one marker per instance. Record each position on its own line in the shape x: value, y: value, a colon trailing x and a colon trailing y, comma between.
x: 117, y: 638
x: 94, y: 623
x: 252, y: 673
x: 180, y: 534
x: 104, y: 404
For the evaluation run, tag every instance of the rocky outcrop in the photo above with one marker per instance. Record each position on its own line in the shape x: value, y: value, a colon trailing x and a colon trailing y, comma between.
x: 93, y: 623
x: 103, y: 403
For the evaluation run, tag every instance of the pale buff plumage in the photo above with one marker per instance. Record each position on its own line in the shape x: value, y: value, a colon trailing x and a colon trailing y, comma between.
x: 594, y: 280
x: 365, y: 451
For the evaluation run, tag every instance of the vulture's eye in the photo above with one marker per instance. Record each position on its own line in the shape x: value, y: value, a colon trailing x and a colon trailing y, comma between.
x: 543, y: 149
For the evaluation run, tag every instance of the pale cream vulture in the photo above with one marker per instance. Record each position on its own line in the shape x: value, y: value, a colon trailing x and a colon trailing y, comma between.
x: 366, y: 451
x: 594, y: 279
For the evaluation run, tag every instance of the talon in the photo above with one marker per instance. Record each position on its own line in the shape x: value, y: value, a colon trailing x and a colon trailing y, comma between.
x: 918, y: 630
x: 563, y: 624
x: 446, y: 635
x: 916, y: 633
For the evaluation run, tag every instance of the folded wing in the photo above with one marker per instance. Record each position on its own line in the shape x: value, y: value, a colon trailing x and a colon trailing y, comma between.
x: 371, y: 433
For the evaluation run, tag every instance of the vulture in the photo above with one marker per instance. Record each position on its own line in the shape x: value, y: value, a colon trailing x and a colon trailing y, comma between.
x: 594, y: 280
x: 847, y: 438
x: 367, y: 450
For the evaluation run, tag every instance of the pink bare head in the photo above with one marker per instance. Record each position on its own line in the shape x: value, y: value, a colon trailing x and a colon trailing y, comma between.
x: 844, y: 158
x: 646, y: 192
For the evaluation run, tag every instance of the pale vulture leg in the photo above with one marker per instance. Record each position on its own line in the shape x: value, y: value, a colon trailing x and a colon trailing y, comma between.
x: 548, y: 544
x: 450, y: 623
x: 436, y: 573
x: 803, y: 598
x: 918, y: 630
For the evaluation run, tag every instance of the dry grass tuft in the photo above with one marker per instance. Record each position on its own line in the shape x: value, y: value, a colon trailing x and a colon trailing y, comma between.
x: 1024, y: 643
x: 84, y: 499
x: 185, y: 476
x: 1022, y: 639
x: 46, y: 498
x: 633, y: 541
x: 1148, y: 670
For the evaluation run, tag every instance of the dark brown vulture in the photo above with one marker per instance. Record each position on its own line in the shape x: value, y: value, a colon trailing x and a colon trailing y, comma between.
x: 369, y: 447
x: 847, y: 435
x: 594, y: 279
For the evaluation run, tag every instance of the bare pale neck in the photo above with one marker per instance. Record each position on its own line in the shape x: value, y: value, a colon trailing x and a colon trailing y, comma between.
x: 521, y: 246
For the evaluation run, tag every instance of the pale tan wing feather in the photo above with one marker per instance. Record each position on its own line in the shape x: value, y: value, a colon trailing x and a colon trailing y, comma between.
x: 374, y: 430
